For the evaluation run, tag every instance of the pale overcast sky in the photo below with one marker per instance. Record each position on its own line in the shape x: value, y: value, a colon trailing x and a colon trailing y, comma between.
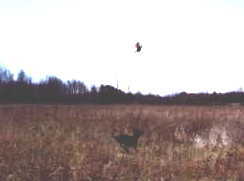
x: 188, y: 45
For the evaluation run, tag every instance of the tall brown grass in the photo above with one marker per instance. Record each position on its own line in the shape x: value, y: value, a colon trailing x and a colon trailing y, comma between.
x: 62, y: 143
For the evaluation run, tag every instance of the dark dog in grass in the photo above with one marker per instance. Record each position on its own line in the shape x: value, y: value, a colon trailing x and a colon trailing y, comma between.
x: 127, y: 141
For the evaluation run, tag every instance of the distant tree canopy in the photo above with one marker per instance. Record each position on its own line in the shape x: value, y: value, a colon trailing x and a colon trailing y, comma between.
x: 23, y: 78
x: 54, y: 90
x: 5, y: 75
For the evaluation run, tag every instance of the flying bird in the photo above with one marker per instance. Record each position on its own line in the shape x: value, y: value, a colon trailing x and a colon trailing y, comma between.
x: 138, y: 47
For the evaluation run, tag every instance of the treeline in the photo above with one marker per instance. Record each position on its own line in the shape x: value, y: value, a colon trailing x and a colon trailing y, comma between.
x: 53, y: 90
x: 230, y: 98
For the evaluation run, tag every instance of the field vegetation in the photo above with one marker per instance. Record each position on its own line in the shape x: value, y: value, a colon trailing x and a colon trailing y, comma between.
x: 75, y: 143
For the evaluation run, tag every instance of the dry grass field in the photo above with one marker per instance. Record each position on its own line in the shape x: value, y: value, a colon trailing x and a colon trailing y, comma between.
x: 74, y: 143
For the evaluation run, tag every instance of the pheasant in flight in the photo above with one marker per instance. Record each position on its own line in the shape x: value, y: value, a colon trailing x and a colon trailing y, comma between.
x: 138, y: 47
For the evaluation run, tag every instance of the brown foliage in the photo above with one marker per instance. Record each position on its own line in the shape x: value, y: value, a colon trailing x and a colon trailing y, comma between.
x: 42, y: 142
